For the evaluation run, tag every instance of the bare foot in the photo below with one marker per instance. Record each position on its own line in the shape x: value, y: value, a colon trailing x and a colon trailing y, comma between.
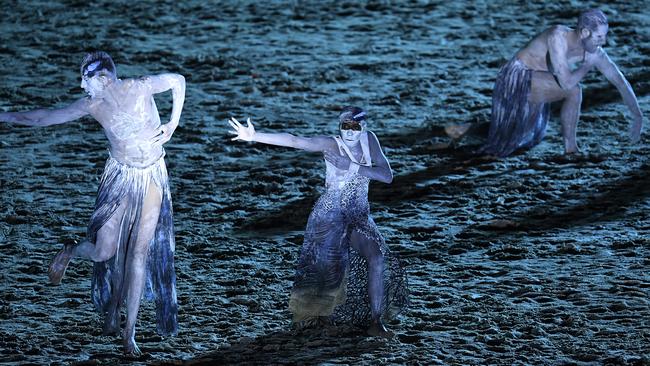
x: 377, y: 329
x: 111, y: 325
x: 572, y: 150
x: 131, y: 350
x: 59, y: 264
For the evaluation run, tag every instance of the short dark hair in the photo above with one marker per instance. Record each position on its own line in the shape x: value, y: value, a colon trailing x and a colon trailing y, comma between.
x: 591, y: 19
x: 352, y: 113
x: 97, y: 62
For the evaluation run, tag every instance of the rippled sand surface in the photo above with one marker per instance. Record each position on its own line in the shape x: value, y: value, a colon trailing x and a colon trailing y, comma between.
x: 535, y: 259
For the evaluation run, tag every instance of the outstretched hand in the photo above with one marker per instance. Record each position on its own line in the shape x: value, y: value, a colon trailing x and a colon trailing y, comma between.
x: 243, y: 133
x: 338, y: 160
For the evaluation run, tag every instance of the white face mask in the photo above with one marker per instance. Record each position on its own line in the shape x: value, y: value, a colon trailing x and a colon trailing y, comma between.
x: 350, y: 136
x: 94, y: 86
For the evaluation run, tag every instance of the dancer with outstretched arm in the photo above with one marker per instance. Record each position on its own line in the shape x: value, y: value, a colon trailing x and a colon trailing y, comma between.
x: 130, y: 236
x: 345, y: 272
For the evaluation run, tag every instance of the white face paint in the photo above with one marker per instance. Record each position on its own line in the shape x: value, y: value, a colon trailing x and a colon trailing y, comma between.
x: 351, y: 137
x: 94, y: 86
x: 596, y: 39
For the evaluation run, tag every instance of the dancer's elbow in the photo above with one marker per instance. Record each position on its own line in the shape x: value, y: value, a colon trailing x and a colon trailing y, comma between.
x: 386, y: 177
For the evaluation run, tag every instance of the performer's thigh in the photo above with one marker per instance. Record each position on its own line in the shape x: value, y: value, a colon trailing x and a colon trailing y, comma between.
x: 368, y: 248
x: 149, y: 218
x: 108, y: 235
x: 545, y: 89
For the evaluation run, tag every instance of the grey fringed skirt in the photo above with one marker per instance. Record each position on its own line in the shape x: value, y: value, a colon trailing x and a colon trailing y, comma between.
x: 516, y: 123
x: 123, y: 183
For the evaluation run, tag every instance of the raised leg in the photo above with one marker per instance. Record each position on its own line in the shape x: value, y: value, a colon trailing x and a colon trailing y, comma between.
x: 370, y: 250
x: 137, y: 265
x: 103, y: 249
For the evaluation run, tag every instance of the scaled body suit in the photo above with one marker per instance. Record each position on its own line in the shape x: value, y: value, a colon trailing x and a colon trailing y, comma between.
x: 332, y: 277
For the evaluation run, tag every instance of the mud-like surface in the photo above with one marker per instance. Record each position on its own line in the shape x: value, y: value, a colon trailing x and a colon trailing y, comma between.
x: 534, y: 259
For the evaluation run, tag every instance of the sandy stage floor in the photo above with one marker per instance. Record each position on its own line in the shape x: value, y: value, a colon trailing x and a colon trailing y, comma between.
x: 535, y: 259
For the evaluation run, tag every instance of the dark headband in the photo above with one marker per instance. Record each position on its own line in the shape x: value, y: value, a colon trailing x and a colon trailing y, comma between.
x: 95, y: 67
x: 361, y: 116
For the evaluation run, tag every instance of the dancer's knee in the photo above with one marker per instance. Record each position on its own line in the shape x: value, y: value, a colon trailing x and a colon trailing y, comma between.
x: 575, y: 94
x: 104, y: 250
x: 371, y: 252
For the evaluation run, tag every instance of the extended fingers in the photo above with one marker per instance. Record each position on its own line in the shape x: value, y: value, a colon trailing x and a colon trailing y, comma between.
x: 234, y: 120
x: 234, y: 126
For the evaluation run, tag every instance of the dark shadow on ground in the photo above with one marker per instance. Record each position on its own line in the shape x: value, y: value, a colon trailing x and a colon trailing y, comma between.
x: 607, y: 202
x: 308, y: 347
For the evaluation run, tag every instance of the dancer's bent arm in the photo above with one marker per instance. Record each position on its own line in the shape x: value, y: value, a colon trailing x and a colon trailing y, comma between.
x: 162, y: 83
x: 609, y: 69
x: 558, y: 48
x: 380, y: 169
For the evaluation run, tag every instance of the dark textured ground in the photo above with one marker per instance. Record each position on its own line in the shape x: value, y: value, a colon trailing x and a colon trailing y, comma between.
x: 535, y: 259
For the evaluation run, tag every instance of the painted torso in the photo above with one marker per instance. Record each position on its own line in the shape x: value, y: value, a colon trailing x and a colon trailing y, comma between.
x: 130, y: 118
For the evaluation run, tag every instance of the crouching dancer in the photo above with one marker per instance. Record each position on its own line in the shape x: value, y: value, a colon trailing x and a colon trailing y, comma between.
x: 130, y: 236
x: 540, y: 73
x: 345, y: 272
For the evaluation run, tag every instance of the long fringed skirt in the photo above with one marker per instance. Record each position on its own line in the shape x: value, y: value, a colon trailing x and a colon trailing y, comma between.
x: 121, y: 183
x: 516, y: 123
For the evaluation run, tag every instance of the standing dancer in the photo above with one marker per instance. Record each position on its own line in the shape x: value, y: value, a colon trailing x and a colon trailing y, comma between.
x: 345, y: 272
x: 131, y: 236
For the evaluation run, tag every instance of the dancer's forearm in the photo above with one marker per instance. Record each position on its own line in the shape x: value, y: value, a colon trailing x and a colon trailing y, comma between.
x: 289, y: 140
x: 382, y: 174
